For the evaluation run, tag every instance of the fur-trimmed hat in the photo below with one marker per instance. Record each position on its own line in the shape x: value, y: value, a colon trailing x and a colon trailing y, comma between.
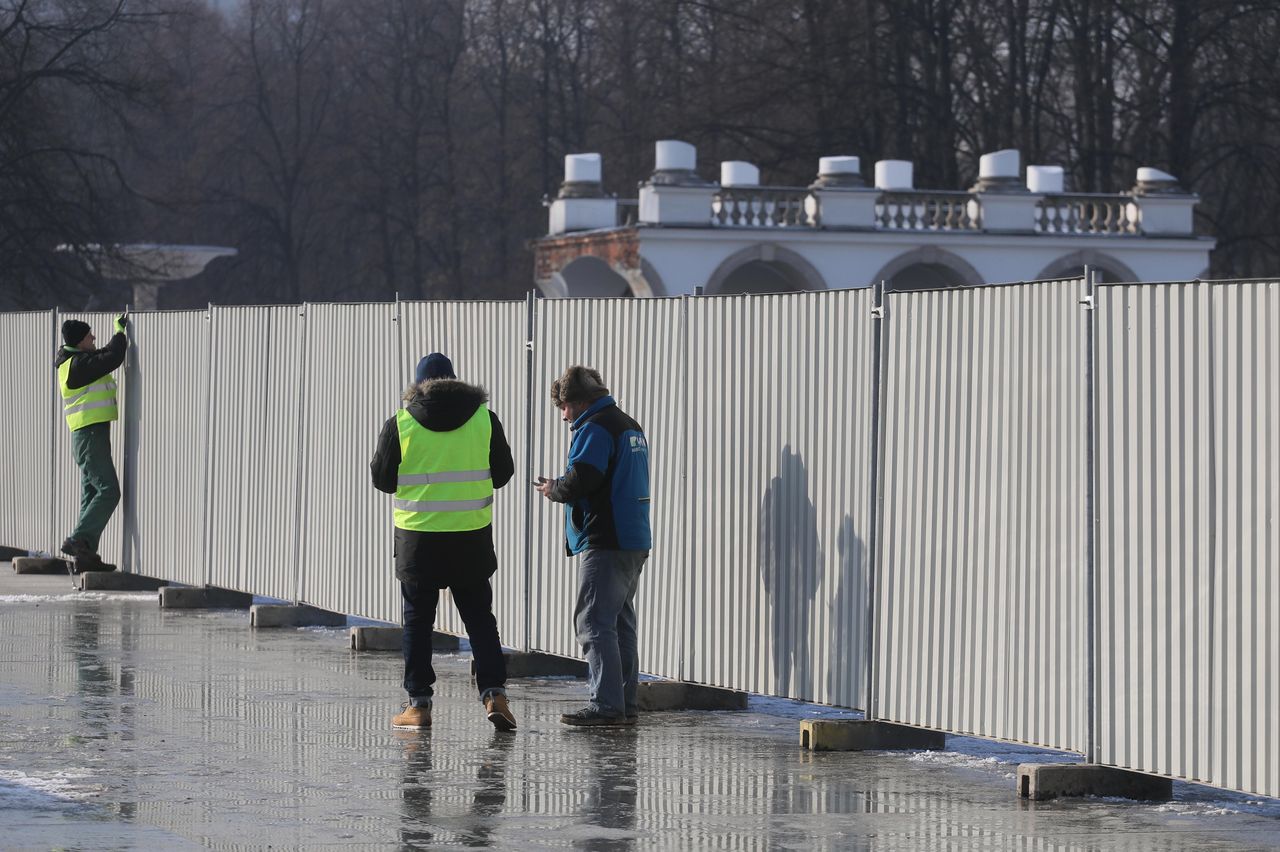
x: 578, y: 384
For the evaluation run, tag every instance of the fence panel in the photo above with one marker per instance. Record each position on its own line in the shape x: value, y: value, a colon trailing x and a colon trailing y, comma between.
x: 1189, y: 482
x: 779, y: 466
x: 981, y: 585
x: 486, y: 342
x: 66, y: 476
x: 344, y: 523
x: 637, y: 346
x: 254, y: 453
x: 165, y: 435
x: 29, y: 384
x: 1246, y: 524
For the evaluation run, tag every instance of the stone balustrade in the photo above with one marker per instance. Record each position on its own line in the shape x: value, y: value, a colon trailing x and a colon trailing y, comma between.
x: 1089, y: 214
x: 1001, y: 202
x: 919, y: 210
x: 761, y: 207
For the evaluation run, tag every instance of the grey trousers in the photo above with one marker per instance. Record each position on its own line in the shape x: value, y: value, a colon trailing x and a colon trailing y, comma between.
x: 605, y: 619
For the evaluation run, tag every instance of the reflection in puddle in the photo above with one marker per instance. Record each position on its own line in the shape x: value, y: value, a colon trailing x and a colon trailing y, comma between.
x: 144, y: 721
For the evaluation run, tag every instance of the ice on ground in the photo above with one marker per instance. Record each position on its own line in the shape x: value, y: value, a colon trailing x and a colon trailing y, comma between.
x: 18, y: 789
x: 788, y: 708
x: 79, y: 596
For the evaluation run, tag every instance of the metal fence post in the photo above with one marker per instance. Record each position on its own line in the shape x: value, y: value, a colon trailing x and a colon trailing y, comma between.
x: 298, y: 477
x: 55, y: 421
x: 207, y: 568
x: 880, y: 338
x: 1091, y: 515
x: 530, y: 307
x: 686, y: 536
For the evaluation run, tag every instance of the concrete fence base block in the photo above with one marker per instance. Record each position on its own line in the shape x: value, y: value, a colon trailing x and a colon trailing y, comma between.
x: 203, y: 597
x: 98, y: 581
x: 10, y: 553
x: 391, y: 638
x: 659, y: 695
x: 534, y: 664
x: 38, y: 565
x: 290, y: 615
x: 444, y: 642
x: 862, y: 735
x: 1041, y: 781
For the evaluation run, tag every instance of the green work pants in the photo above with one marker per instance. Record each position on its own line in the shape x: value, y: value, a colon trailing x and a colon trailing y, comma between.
x: 99, y: 487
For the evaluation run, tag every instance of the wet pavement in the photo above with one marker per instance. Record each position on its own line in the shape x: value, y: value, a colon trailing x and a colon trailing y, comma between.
x: 125, y: 726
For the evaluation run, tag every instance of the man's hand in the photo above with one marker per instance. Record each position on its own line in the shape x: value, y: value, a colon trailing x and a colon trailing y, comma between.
x: 120, y: 322
x: 543, y: 486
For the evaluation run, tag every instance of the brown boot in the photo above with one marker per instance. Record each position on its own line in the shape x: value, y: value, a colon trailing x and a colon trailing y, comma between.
x: 499, y: 712
x: 413, y: 718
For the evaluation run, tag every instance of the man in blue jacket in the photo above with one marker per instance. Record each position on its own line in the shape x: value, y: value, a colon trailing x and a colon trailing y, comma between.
x: 605, y: 490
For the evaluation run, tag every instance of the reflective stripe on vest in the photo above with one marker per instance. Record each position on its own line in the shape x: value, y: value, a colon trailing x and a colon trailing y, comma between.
x: 444, y: 476
x: 95, y: 403
x: 444, y: 483
x: 443, y: 505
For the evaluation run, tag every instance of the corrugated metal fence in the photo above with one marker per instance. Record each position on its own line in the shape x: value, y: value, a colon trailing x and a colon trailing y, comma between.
x: 982, y: 595
x: 1039, y: 512
x: 1188, y: 425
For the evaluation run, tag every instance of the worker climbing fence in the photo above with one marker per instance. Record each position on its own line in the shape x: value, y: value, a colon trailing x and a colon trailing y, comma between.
x: 1040, y: 512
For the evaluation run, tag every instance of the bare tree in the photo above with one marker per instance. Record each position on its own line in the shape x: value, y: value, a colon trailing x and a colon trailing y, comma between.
x: 58, y: 181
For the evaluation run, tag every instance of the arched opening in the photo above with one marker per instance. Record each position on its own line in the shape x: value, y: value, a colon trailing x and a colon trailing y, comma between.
x: 765, y: 268
x: 924, y: 276
x: 591, y: 277
x: 1106, y: 268
x: 928, y: 268
x: 762, y: 276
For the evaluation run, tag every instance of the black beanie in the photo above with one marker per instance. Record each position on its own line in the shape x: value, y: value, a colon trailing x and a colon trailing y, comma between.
x: 73, y: 331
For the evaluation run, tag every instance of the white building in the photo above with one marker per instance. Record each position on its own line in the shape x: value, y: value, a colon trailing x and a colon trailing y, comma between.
x: 738, y: 236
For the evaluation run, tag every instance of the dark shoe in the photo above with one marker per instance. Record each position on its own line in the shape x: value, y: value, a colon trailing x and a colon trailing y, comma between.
x: 590, y: 717
x: 499, y: 712
x: 76, y: 549
x: 90, y: 561
x: 413, y: 718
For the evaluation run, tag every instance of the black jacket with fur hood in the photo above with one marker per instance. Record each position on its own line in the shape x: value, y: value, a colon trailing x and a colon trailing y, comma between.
x: 88, y: 367
x: 442, y: 558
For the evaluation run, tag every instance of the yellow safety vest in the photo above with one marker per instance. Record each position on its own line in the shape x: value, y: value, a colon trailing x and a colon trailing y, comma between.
x: 444, y: 483
x: 95, y: 403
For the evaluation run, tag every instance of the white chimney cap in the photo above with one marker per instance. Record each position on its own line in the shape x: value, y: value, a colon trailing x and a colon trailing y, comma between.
x: 1146, y: 174
x: 999, y: 164
x: 739, y: 173
x: 671, y: 155
x: 839, y: 166
x: 1044, y: 178
x: 582, y: 168
x: 894, y: 174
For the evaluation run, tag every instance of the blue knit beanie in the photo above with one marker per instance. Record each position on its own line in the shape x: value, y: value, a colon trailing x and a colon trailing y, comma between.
x: 434, y: 366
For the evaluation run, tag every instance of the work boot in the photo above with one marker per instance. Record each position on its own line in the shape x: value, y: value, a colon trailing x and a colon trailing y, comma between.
x: 593, y: 718
x: 413, y: 718
x: 90, y: 561
x: 75, y: 548
x: 499, y: 712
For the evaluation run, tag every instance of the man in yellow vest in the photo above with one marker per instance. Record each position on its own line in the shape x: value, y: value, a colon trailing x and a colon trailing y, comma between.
x: 442, y: 456
x: 89, y: 405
